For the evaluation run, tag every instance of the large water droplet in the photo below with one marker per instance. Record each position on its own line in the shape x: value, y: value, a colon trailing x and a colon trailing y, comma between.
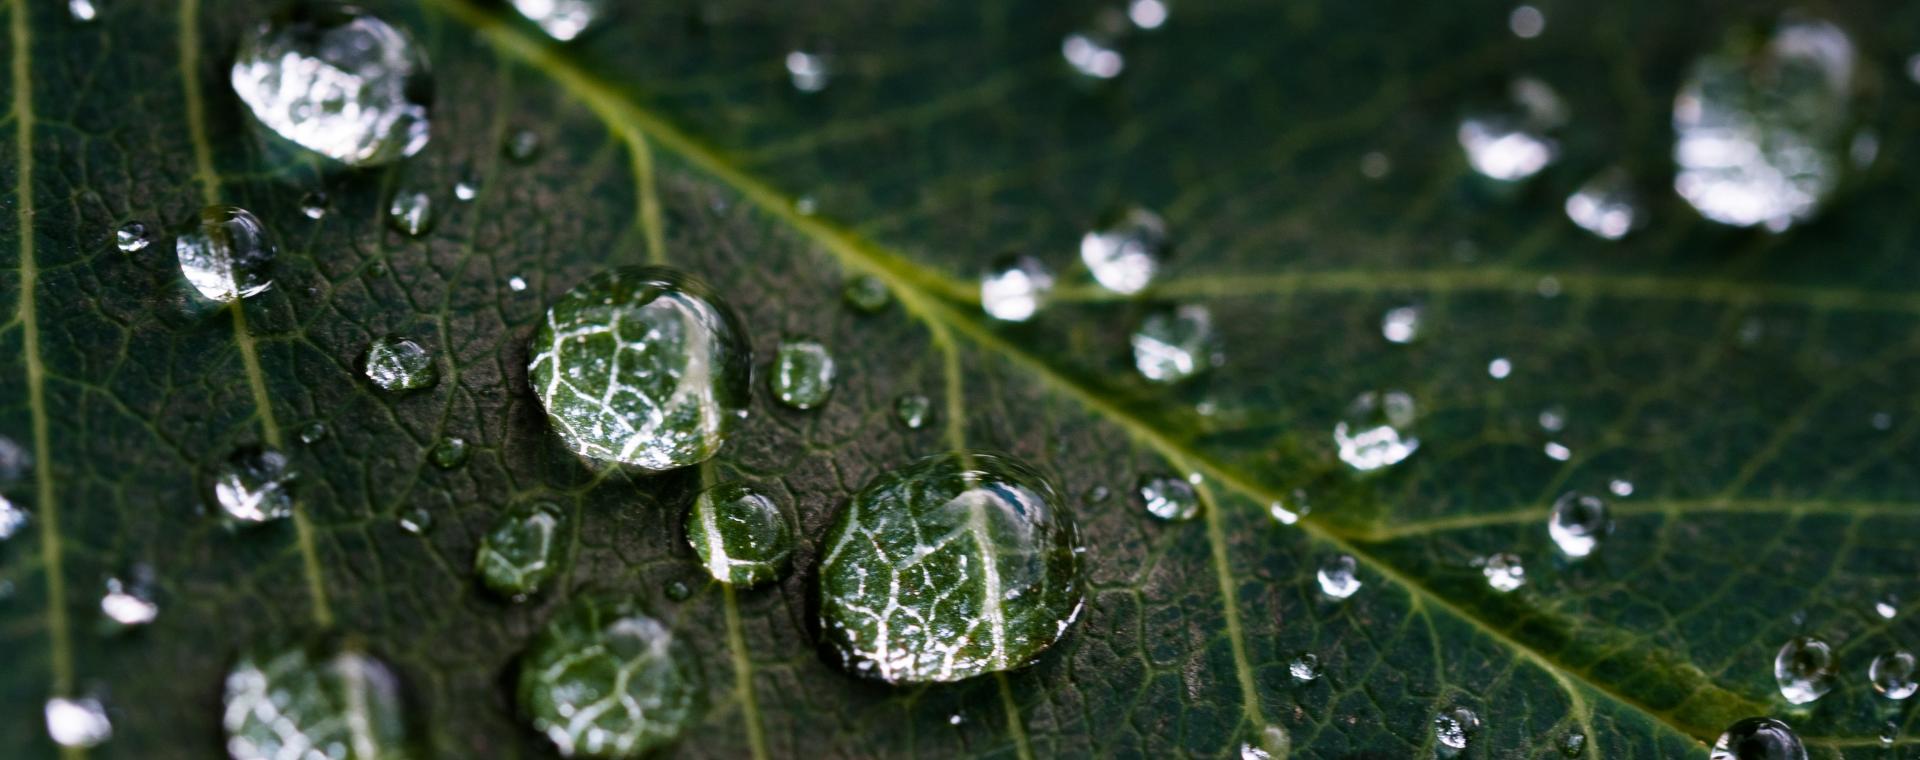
x: 1892, y: 674
x: 1373, y: 433
x: 1015, y: 287
x: 561, y: 19
x: 78, y: 723
x: 254, y: 484
x: 1606, y: 205
x: 521, y: 551
x: 1504, y: 572
x: 802, y: 375
x: 1168, y: 497
x: 644, y: 366
x: 416, y: 520
x: 1339, y: 577
x: 1761, y: 128
x: 228, y: 255
x: 310, y: 702
x: 953, y: 566
x: 1513, y: 145
x: 604, y: 680
x: 1454, y: 728
x: 1175, y: 344
x: 1758, y: 739
x: 1124, y: 253
x: 132, y: 236
x: 128, y: 600
x: 1804, y: 669
x: 411, y: 213
x: 913, y: 410
x: 810, y: 71
x: 1578, y: 523
x: 338, y: 81
x: 742, y: 536
x: 397, y: 364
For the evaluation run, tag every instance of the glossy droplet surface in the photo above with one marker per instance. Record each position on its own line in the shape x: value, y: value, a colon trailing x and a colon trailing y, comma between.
x: 1305, y: 667
x: 128, y: 599
x: 292, y: 702
x: 1804, y: 669
x: 605, y: 680
x: 643, y: 366
x: 1175, y: 344
x: 1401, y: 324
x: 132, y: 236
x: 1578, y: 522
x: 810, y: 71
x: 417, y: 520
x: 1504, y: 572
x: 803, y: 371
x: 398, y: 364
x: 741, y: 535
x: 1015, y: 288
x: 78, y: 723
x: 411, y: 213
x: 228, y: 255
x: 1892, y: 674
x: 952, y: 566
x: 314, y: 205
x: 1374, y: 432
x: 314, y: 432
x: 338, y: 81
x: 1606, y: 205
x: 522, y: 549
x: 449, y: 452
x: 913, y: 410
x: 253, y: 485
x: 1511, y: 144
x: 1340, y: 577
x: 561, y: 19
x: 1168, y: 497
x: 1758, y: 739
x: 1453, y: 729
x: 1760, y: 125
x: 82, y: 10
x: 867, y: 294
x: 1124, y: 253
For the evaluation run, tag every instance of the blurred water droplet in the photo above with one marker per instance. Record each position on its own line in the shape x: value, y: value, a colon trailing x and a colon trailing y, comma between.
x: 1881, y: 421
x: 1889, y: 733
x: 1168, y: 497
x: 1892, y: 674
x: 81, y: 10
x: 1620, y: 487
x: 1606, y: 205
x: 228, y: 255
x: 1375, y: 165
x: 1401, y: 324
x: 913, y: 410
x: 1098, y: 494
x: 132, y: 236
x: 14, y: 460
x: 1574, y: 744
x: 1147, y: 14
x: 1512, y: 145
x: 1553, y: 419
x: 562, y: 20
x: 78, y: 723
x: 253, y: 485
x: 605, y: 680
x: 522, y: 146
x: 1094, y: 52
x: 678, y: 590
x: 314, y: 432
x: 449, y: 452
x: 806, y: 205
x: 12, y: 518
x: 1272, y: 743
x: 1913, y: 68
x: 1504, y: 572
x: 867, y: 294
x: 338, y: 81
x: 410, y: 213
x: 1864, y: 148
x: 464, y: 191
x: 1759, y: 127
x: 1339, y: 578
x: 1373, y: 434
x: 394, y: 363
x: 955, y: 719
x: 1305, y: 667
x: 809, y: 71
x: 128, y: 600
x: 1758, y: 739
x: 516, y: 283
x: 1804, y: 669
x: 1124, y: 253
x: 1290, y: 510
x: 741, y: 535
x: 417, y: 520
x: 1548, y: 287
x: 520, y: 552
x: 311, y: 702
x: 1886, y: 608
x: 1526, y: 22
x: 1578, y: 523
x: 1557, y: 451
x: 803, y: 372
x: 1174, y: 344
x: 1454, y: 728
x: 1499, y: 368
x: 1015, y: 287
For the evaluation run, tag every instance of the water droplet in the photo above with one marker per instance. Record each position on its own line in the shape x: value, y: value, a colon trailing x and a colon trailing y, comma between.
x: 1273, y: 743
x: 465, y: 192
x: 227, y: 257
x: 1620, y: 487
x: 1574, y: 744
x: 1372, y: 435
x: 1375, y: 165
x: 1147, y: 14
x: 338, y: 81
x: 449, y: 452
x: 418, y: 521
x: 82, y: 10
x: 1881, y: 421
x: 867, y: 294
x: 644, y: 366
x: 313, y: 205
x: 1339, y: 577
x: 1499, y: 368
x: 1124, y: 253
x: 254, y: 485
x: 802, y: 375
x: 79, y: 723
x: 294, y: 701
x: 1098, y: 494
x: 1513, y: 145
x: 1557, y: 451
x: 12, y: 518
x: 522, y: 146
x: 913, y: 410
x: 1759, y: 127
x: 132, y: 236
x: 678, y: 590
x: 314, y: 432
x: 516, y: 283
x: 1504, y: 572
x: 1526, y: 22
x: 1290, y: 510
x: 1887, y: 607
x: 1095, y: 53
x: 604, y: 680
x: 1606, y: 205
x: 1175, y: 344
x: 562, y: 20
x: 806, y: 205
x: 1553, y: 419
x: 410, y: 213
x: 952, y: 566
x: 1578, y: 523
x: 1015, y: 287
x: 129, y: 601
x: 1454, y: 728
x: 955, y: 719
x: 1892, y: 674
x: 397, y: 364
x: 1758, y: 739
x: 1548, y: 287
x: 14, y: 460
x: 1804, y: 669
x: 742, y: 536
x: 1305, y: 667
x: 1889, y: 733
x: 521, y: 551
x: 1401, y: 324
x: 1168, y: 497
x: 810, y: 71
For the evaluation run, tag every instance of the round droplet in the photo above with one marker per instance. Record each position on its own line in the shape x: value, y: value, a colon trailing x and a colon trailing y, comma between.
x: 561, y: 19
x: 338, y: 81
x: 1272, y: 743
x: 228, y: 255
x: 1499, y: 368
x: 913, y: 410
x: 1761, y: 125
x: 1574, y: 744
x: 12, y: 518
x: 1094, y: 52
x: 1892, y: 674
x: 1578, y: 523
x: 522, y: 146
x: 1512, y: 144
x: 1373, y: 433
x: 1504, y: 572
x: 314, y: 432
x: 418, y: 521
x: 1606, y: 205
x: 82, y: 10
x: 1889, y: 733
x: 1339, y: 577
x: 1015, y: 288
x: 1526, y: 22
x: 128, y: 600
x: 1620, y: 487
x: 1175, y: 344
x: 254, y: 484
x: 643, y: 366
x: 398, y: 364
x: 867, y: 294
x: 132, y: 236
x: 678, y: 590
x: 1401, y: 324
x: 1289, y: 510
x: 314, y: 205
x: 742, y: 536
x: 953, y: 566
x: 604, y: 680
x: 1758, y: 739
x: 464, y: 191
x: 810, y: 71
x: 287, y: 703
x: 410, y: 213
x: 802, y: 375
x: 1804, y: 669
x: 449, y: 452
x: 522, y: 549
x: 1124, y: 254
x: 1168, y: 497
x: 1453, y: 729
x: 1887, y: 607
x: 14, y: 460
x: 78, y: 723
x: 1305, y: 667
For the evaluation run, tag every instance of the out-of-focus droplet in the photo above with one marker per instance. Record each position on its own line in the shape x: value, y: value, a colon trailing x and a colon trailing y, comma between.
x: 913, y: 410
x: 1504, y: 572
x: 522, y: 146
x: 803, y: 372
x: 1015, y: 288
x: 1804, y: 669
x: 132, y: 236
x: 1374, y: 432
x: 1095, y: 52
x: 128, y: 600
x: 522, y: 550
x: 1526, y: 22
x: 411, y: 213
x: 417, y: 520
x: 1499, y: 368
x: 82, y: 10
x: 314, y: 432
x: 1172, y: 345
x: 12, y: 518
x: 338, y: 81
x: 1606, y: 205
x: 1620, y: 487
x: 1513, y: 145
x: 78, y: 723
x: 1887, y: 607
x: 1340, y: 577
x: 1401, y: 324
x: 253, y: 485
x: 1375, y: 165
x: 1557, y: 451
x: 1578, y: 523
x: 1289, y: 510
x: 1125, y: 253
x: 1758, y: 739
x: 867, y: 294
x: 464, y: 191
x: 810, y: 71
x: 517, y: 283
x: 562, y: 20
x: 450, y: 452
x: 1169, y: 497
x: 1892, y: 674
x: 1147, y: 14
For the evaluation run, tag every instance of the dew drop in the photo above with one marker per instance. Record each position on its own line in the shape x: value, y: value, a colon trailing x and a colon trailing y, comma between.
x: 1339, y: 577
x: 803, y: 372
x: 1892, y: 674
x: 1453, y: 729
x: 1512, y: 145
x: 1094, y: 53
x: 418, y: 521
x: 254, y: 485
x: 1375, y: 165
x: 867, y: 294
x: 1553, y: 419
x: 1887, y: 607
x: 449, y: 452
x: 741, y: 535
x: 517, y: 284
x: 314, y: 432
x: 1305, y: 667
x: 1557, y: 451
x: 1606, y: 205
x: 810, y: 71
x: 1578, y: 523
x: 465, y: 192
x: 1620, y: 487
x: 1174, y: 344
x: 128, y: 601
x: 562, y: 20
x: 1499, y: 368
x: 1373, y: 433
x: 398, y: 364
x: 605, y: 680
x: 1574, y: 744
x: 1804, y: 669
x: 913, y: 410
x: 522, y: 146
x: 1168, y: 497
x: 338, y: 81
x: 678, y: 590
x: 1124, y: 253
x: 1526, y: 22
x: 1758, y: 739
x: 1289, y: 510
x: 14, y: 460
x: 313, y: 205
x: 82, y: 10
x: 1504, y: 572
x: 288, y: 702
x: 521, y: 551
x: 1401, y: 324
x: 410, y: 213
x: 1273, y: 743
x: 78, y: 723
x: 132, y: 236
x: 12, y: 518
x: 227, y: 257
x: 1015, y: 287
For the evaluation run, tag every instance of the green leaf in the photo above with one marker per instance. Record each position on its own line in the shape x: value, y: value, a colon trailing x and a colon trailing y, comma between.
x: 1756, y: 389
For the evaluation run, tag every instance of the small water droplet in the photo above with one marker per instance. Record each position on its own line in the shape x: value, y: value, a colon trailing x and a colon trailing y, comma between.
x: 82, y: 10
x: 1574, y: 744
x: 522, y: 146
x: 1273, y: 743
x: 1305, y: 667
x: 450, y: 452
x: 1098, y: 494
x: 313, y: 205
x: 516, y: 283
x: 465, y: 192
x: 1015, y: 287
x: 291, y: 702
x: 803, y: 372
x: 1504, y: 572
x: 562, y: 20
x: 12, y: 518
x: 411, y: 213
x: 338, y: 81
x: 1548, y: 287
x: 1892, y: 674
x: 1401, y: 324
x: 1454, y: 728
x: 128, y: 601
x: 810, y: 71
x: 1339, y: 577
x: 521, y: 550
x: 254, y: 485
x: 1289, y: 511
x: 1606, y: 205
x: 394, y: 363
x: 1889, y: 733
x: 1094, y: 53
x: 1553, y: 419
x: 913, y: 410
x: 1174, y: 344
x: 228, y: 255
x: 1578, y: 523
x: 867, y: 294
x: 1147, y: 14
x: 1168, y: 497
x: 417, y: 520
x: 605, y: 680
x: 1375, y: 165
x: 314, y: 432
x: 1124, y: 253
x: 742, y: 536
x: 1526, y: 22
x: 1620, y: 487
x: 78, y: 723
x: 1499, y: 368
x: 1758, y: 739
x: 806, y: 205
x: 1373, y: 433
x: 1881, y: 421
x: 132, y: 236
x: 14, y: 461
x: 678, y: 590
x: 1804, y: 669
x: 1557, y: 451
x: 1886, y: 608
x: 1512, y: 145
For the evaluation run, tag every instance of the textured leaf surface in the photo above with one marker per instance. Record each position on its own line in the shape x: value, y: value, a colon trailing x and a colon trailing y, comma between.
x: 1733, y: 377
